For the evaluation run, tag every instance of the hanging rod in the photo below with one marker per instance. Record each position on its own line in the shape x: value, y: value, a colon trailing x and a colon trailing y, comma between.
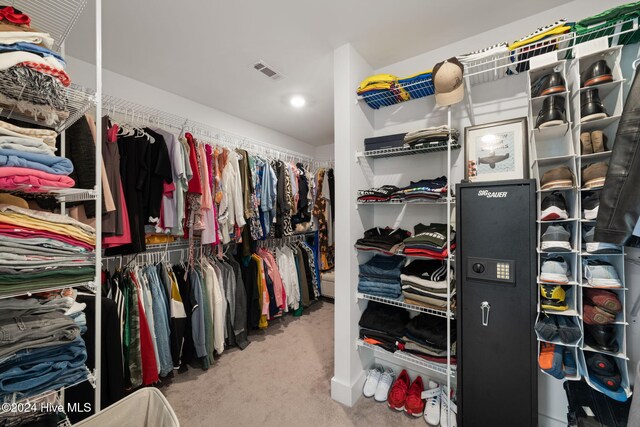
x: 138, y: 114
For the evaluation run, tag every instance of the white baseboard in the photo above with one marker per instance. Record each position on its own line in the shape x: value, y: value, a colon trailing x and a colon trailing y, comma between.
x: 347, y: 394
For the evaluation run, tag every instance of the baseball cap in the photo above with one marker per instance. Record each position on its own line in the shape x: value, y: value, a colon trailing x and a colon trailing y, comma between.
x: 447, y: 79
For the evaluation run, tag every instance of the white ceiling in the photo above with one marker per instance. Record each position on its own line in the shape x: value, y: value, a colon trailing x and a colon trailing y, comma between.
x: 203, y: 49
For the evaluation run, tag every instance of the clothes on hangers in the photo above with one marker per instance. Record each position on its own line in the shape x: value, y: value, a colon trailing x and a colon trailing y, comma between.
x: 182, y: 186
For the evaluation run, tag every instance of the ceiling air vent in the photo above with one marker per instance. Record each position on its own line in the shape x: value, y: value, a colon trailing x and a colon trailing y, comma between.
x: 267, y: 70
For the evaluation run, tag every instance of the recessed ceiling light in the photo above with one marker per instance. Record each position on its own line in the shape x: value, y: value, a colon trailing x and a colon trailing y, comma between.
x: 298, y: 101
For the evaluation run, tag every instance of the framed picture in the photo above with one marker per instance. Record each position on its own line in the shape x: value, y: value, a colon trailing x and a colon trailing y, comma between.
x: 496, y: 151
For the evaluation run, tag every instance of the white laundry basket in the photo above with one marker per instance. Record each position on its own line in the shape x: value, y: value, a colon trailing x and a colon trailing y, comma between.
x: 146, y: 407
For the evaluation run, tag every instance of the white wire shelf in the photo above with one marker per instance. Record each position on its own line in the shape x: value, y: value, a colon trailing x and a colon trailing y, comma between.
x: 61, y: 195
x: 70, y: 105
x: 408, y: 151
x: 398, y: 303
x: 415, y: 361
x: 139, y: 114
x: 441, y: 201
x: 89, y: 285
x: 499, y: 66
x: 56, y: 17
x: 16, y: 399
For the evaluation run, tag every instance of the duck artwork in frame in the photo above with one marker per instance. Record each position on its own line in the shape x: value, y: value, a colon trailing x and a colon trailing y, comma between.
x: 496, y: 151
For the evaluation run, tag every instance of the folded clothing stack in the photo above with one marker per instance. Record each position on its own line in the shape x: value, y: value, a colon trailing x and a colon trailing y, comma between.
x: 619, y: 19
x: 380, y: 276
x: 429, y: 241
x: 423, y: 190
x: 430, y: 136
x: 381, y: 90
x: 385, y: 240
x: 543, y: 40
x: 383, y: 325
x: 32, y: 76
x: 41, y: 249
x: 377, y: 194
x: 426, y: 337
x: 42, y: 348
x: 424, y: 283
x: 28, y: 161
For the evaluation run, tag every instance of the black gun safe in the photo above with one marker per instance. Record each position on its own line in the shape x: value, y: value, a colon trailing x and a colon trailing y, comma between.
x: 497, y: 294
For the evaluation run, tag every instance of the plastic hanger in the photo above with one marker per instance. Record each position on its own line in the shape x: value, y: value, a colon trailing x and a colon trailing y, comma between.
x: 635, y: 64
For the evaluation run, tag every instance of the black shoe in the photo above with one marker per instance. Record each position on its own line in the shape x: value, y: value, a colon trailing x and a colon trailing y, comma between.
x: 548, y: 84
x: 552, y: 113
x: 554, y: 207
x: 591, y: 107
x: 597, y: 73
x: 604, y: 370
x: 590, y: 205
x: 601, y: 337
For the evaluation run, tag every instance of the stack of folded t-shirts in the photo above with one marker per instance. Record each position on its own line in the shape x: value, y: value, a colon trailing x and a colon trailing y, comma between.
x: 32, y: 76
x: 426, y: 337
x: 41, y: 250
x: 41, y: 347
x: 383, y: 325
x: 385, y: 240
x: 429, y: 136
x: 380, y: 276
x: 424, y: 283
x: 543, y: 40
x: 423, y: 190
x: 619, y: 19
x: 28, y: 161
x: 429, y: 241
x: 378, y: 194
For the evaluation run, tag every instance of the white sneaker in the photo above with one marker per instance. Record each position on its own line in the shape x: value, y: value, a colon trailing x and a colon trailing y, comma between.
x: 382, y: 391
x: 447, y: 418
x: 373, y: 378
x: 432, y: 408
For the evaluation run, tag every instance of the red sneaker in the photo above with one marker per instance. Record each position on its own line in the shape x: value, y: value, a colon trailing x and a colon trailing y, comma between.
x: 414, y: 405
x: 398, y: 392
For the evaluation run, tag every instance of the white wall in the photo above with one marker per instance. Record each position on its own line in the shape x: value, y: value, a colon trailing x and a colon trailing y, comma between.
x: 325, y: 152
x: 120, y: 86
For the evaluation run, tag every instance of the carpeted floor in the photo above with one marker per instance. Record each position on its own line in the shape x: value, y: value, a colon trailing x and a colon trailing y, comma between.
x: 282, y: 379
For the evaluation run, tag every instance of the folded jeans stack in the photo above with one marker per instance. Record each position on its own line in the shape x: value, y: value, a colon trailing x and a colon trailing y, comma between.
x: 429, y: 241
x: 424, y: 283
x: 385, y: 240
x: 380, y: 276
x: 41, y: 348
x: 32, y: 75
x: 41, y: 249
x: 430, y: 136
